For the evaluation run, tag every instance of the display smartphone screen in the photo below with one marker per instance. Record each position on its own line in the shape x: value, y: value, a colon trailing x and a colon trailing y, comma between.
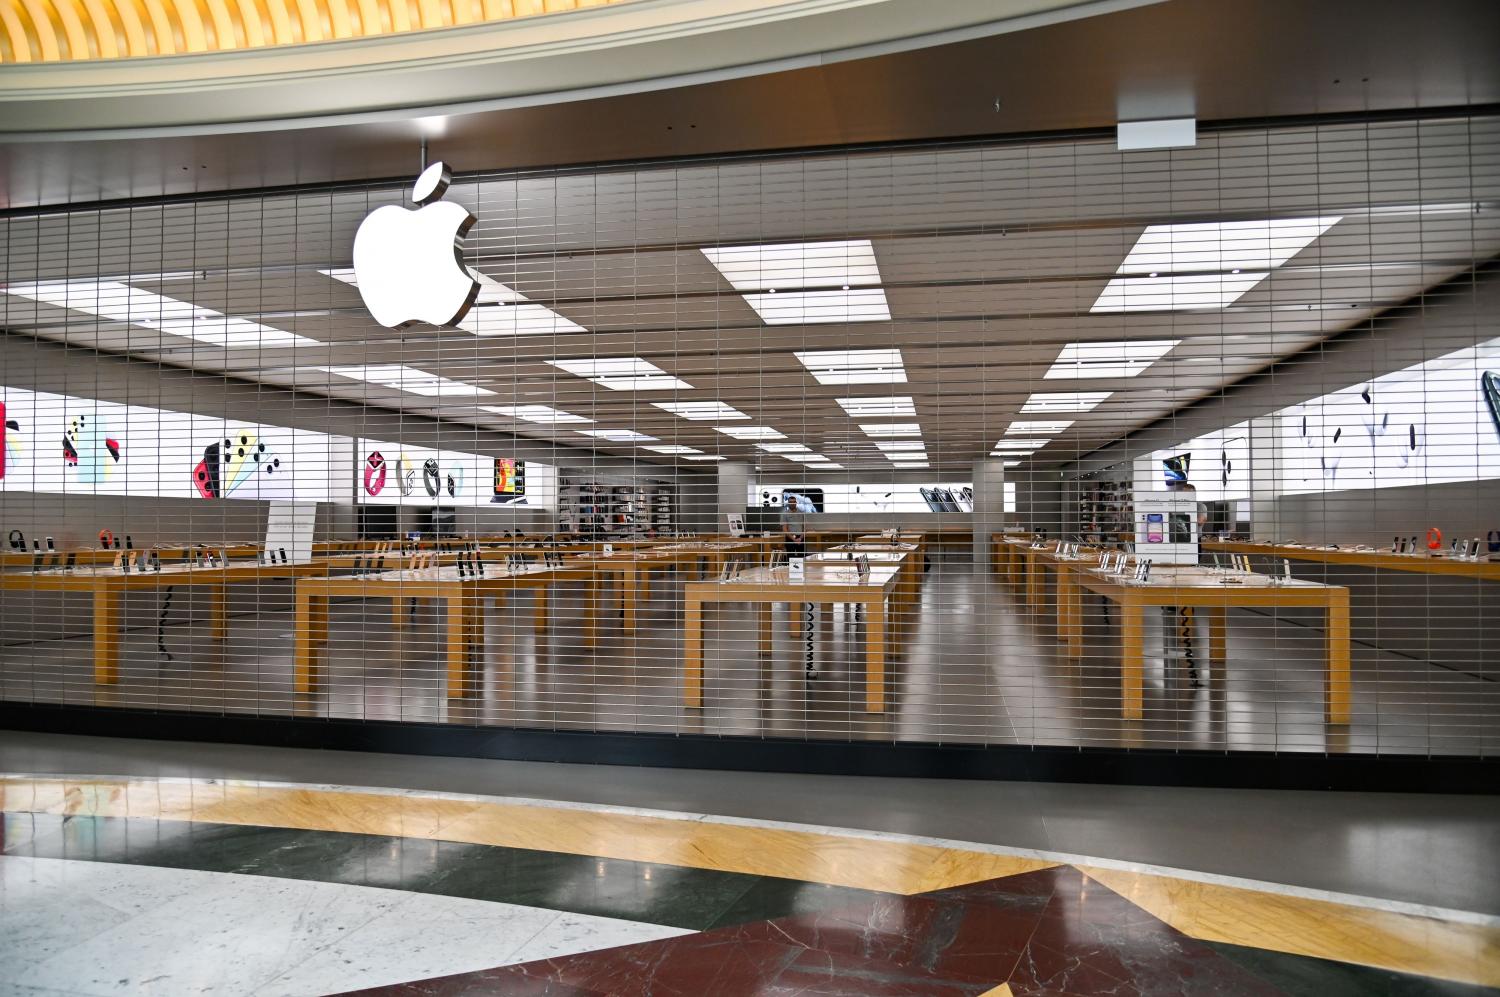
x: 1154, y: 522
x: 1181, y: 527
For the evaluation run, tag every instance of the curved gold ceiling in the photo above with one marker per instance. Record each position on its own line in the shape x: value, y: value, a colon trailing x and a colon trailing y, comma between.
x: 68, y: 30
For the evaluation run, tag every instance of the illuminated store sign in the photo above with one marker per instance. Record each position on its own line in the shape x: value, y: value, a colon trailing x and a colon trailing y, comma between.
x: 408, y: 265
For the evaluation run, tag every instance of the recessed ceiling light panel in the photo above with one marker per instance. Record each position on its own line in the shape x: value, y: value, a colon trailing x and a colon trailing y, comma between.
x: 869, y: 408
x: 541, y: 414
x: 119, y: 302
x: 1190, y: 292
x: 1255, y: 245
x: 1205, y: 265
x: 408, y: 379
x: 854, y: 366
x: 621, y: 373
x: 751, y: 432
x: 617, y: 435
x: 891, y: 428
x: 796, y: 264
x: 1024, y: 426
x: 1125, y: 358
x: 775, y: 279
x: 701, y: 411
x: 1064, y: 401
x: 821, y: 307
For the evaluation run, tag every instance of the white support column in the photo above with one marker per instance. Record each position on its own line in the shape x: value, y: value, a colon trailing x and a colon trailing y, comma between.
x: 989, y: 506
x: 735, y: 480
x: 1265, y: 478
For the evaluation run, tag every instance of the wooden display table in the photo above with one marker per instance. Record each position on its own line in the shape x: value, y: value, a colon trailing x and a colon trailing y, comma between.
x: 631, y: 570
x: 463, y: 595
x: 904, y: 556
x: 95, y: 555
x: 109, y: 584
x: 826, y: 583
x: 1202, y: 589
x: 1382, y: 560
x: 1007, y: 558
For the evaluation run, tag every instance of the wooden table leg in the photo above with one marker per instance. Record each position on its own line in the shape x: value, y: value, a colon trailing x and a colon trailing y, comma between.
x: 460, y: 633
x: 764, y: 613
x: 875, y: 645
x: 539, y: 609
x: 1061, y: 622
x: 1069, y: 613
x: 1034, y: 571
x: 1132, y: 660
x: 474, y: 606
x: 1337, y: 691
x: 312, y: 630
x: 1218, y: 633
x: 398, y: 613
x: 630, y: 579
x: 591, y: 597
x: 218, y: 608
x: 107, y: 601
x: 692, y: 653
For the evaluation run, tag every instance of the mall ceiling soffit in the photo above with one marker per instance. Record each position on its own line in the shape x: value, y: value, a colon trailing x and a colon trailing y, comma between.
x: 590, y: 52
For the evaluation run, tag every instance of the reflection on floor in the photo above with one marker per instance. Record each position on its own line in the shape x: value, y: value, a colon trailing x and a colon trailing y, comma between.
x: 978, y: 665
x: 223, y: 887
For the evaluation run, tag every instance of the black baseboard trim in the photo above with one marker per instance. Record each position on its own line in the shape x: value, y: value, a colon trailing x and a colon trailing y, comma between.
x: 905, y: 759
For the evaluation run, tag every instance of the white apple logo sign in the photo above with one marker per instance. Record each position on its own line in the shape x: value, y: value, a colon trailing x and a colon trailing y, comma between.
x: 408, y: 264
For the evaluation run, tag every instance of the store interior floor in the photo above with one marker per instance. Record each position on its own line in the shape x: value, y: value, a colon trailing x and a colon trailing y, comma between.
x: 977, y: 665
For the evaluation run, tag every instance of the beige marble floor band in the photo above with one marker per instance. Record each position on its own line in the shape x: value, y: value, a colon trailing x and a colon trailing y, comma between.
x: 1464, y: 953
x: 886, y: 866
x: 1410, y: 943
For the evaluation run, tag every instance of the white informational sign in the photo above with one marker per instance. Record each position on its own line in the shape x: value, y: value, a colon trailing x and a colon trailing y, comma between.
x: 289, y: 532
x: 796, y: 569
x: 736, y: 524
x: 1166, y: 527
x: 609, y: 550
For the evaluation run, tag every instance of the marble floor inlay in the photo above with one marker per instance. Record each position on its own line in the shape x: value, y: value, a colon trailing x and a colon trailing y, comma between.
x: 179, y: 886
x: 99, y: 928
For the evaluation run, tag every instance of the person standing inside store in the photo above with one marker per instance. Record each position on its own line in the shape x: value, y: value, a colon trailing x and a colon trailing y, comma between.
x: 794, y: 526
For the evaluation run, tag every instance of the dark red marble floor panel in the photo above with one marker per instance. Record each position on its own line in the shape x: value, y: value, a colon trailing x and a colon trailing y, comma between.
x: 1053, y: 933
x: 1091, y: 940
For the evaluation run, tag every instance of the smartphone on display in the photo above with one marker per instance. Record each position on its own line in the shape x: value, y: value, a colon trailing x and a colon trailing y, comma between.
x: 1181, y: 524
x: 930, y: 497
x: 1154, y: 523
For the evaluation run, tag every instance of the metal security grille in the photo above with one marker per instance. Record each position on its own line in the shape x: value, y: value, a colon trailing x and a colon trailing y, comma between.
x: 870, y: 446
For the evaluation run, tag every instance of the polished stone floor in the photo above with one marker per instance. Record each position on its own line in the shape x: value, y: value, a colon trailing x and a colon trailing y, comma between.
x: 978, y: 665
x: 1408, y: 848
x: 222, y: 886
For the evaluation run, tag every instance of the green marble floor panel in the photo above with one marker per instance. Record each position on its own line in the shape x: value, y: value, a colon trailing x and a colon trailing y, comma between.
x: 676, y: 896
